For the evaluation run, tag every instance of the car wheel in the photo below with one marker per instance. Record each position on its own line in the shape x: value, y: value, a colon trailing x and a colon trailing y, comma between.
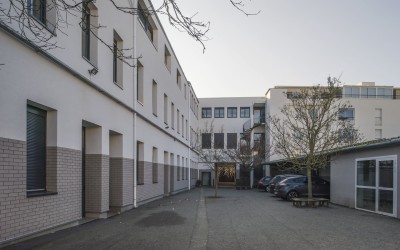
x: 291, y: 195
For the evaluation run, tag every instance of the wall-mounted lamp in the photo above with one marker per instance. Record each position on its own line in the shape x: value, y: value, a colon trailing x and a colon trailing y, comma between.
x: 93, y: 71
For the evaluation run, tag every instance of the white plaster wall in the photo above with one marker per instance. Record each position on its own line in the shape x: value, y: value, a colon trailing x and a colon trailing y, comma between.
x: 27, y: 76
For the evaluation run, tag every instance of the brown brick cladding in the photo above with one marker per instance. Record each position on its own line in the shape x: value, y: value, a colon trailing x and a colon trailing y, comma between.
x: 97, y: 183
x: 121, y: 182
x: 22, y: 216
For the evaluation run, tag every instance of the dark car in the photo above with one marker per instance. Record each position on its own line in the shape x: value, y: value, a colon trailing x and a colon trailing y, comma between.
x: 264, y: 182
x: 294, y: 187
x: 277, y: 179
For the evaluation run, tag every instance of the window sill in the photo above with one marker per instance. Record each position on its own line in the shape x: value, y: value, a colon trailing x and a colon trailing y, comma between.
x: 141, y: 103
x: 53, y: 33
x: 119, y: 85
x: 91, y: 63
x: 40, y: 193
x: 140, y: 184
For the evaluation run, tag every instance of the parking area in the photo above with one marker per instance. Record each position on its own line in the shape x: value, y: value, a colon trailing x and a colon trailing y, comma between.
x: 239, y: 219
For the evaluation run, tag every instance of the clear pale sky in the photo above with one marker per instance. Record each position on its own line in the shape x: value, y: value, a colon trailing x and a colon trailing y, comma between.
x: 291, y: 42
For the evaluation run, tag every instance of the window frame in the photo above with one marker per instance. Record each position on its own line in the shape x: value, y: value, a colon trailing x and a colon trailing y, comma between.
x: 208, y: 113
x: 242, y: 114
x: 217, y: 112
x: 229, y: 114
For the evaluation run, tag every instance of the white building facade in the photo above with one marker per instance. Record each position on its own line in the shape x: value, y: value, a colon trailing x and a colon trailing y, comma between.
x: 84, y: 135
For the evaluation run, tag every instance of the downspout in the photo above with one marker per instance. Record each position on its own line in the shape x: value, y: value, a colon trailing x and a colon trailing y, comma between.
x: 189, y: 133
x: 134, y: 2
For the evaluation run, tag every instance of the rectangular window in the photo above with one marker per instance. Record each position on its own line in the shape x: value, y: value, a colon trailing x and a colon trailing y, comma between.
x: 206, y: 113
x: 187, y: 129
x: 183, y: 168
x: 140, y: 163
x: 117, y: 62
x: 172, y: 115
x: 165, y: 109
x: 167, y: 58
x: 178, y: 79
x: 36, y: 149
x: 219, y: 112
x: 346, y: 114
x: 178, y: 128
x: 378, y: 117
x: 38, y: 10
x: 206, y: 140
x: 155, y: 165
x: 232, y: 112
x: 183, y: 126
x: 378, y: 133
x: 139, y: 76
x: 86, y: 16
x: 178, y: 169
x: 244, y: 112
x: 185, y: 90
x: 154, y: 98
x: 89, y: 32
x: 144, y: 17
x: 232, y: 140
x: 219, y: 140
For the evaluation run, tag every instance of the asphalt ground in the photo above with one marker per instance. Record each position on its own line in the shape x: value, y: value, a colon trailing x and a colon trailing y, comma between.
x: 238, y: 219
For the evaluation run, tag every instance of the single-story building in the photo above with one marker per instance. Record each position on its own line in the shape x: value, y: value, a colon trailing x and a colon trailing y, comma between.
x: 365, y: 177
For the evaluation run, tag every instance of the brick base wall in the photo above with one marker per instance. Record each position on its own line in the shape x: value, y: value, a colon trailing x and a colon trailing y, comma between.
x: 20, y: 215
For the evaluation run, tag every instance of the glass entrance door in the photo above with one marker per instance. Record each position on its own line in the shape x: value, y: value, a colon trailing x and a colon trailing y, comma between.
x: 376, y: 184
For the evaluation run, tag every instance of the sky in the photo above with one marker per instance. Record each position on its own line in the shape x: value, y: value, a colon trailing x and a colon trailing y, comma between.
x: 290, y: 42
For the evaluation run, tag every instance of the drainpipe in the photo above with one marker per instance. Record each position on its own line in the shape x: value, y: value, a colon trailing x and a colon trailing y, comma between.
x: 189, y: 133
x: 134, y: 115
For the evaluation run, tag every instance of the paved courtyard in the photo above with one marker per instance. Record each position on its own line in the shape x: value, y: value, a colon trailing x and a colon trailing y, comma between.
x: 240, y: 219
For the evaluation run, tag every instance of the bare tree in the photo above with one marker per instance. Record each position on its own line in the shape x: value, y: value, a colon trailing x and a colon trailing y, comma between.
x: 311, y: 126
x: 209, y: 154
x: 248, y: 154
x: 20, y: 16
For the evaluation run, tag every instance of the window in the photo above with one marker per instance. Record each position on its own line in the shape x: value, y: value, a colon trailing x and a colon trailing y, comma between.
x: 89, y: 40
x: 177, y: 121
x: 183, y: 126
x: 178, y: 79
x: 139, y: 75
x: 259, y: 115
x: 244, y: 112
x: 232, y: 140
x: 36, y: 150
x: 219, y: 140
x: 232, y: 112
x: 155, y: 165
x: 206, y: 113
x: 185, y: 90
x: 165, y: 109
x: 167, y: 59
x: 378, y: 133
x: 86, y: 14
x: 187, y: 129
x: 178, y: 169
x: 154, y: 98
x: 378, y: 117
x: 139, y: 163
x: 144, y: 19
x: 44, y: 12
x: 172, y: 115
x: 206, y: 140
x: 346, y: 114
x: 219, y: 112
x: 117, y: 62
x: 258, y: 138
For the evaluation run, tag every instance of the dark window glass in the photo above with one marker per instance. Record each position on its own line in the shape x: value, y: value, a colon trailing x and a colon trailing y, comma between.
x: 232, y: 112
x: 219, y: 112
x: 206, y: 140
x: 232, y: 140
x: 39, y: 10
x: 219, y: 140
x: 206, y: 113
x: 244, y: 112
x: 36, y: 149
x: 143, y: 17
x: 86, y: 31
x: 115, y: 57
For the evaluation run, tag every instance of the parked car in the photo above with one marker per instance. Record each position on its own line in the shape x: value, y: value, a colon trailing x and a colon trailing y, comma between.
x: 294, y: 187
x: 277, y: 179
x: 264, y: 182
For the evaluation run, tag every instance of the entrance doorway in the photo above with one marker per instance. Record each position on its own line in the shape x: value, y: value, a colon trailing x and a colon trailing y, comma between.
x: 206, y: 178
x: 226, y: 174
x: 83, y: 170
x: 376, y: 185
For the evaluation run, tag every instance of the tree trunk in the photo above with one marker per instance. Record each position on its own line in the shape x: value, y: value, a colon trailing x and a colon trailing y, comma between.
x: 309, y: 182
